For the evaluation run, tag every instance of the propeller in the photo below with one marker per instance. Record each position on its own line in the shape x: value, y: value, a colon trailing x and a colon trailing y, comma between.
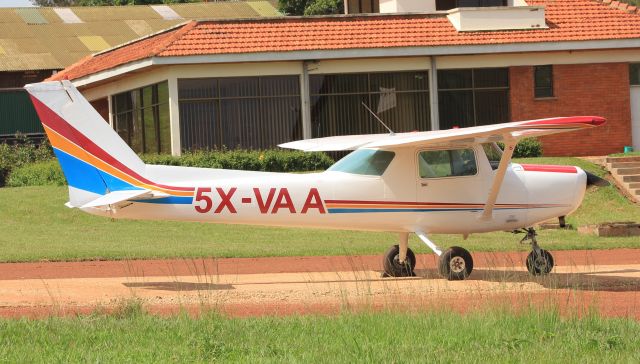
x: 593, y: 180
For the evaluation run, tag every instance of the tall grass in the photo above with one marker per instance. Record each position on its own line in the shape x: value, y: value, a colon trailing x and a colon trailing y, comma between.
x: 479, y: 337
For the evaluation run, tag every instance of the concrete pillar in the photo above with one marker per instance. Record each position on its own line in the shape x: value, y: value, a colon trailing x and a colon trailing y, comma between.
x: 305, y: 101
x: 433, y: 95
x: 174, y: 116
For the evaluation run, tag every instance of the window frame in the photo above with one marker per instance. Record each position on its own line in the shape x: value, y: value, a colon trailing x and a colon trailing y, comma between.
x: 221, y: 101
x: 368, y: 95
x: 417, y: 162
x: 137, y: 112
x: 634, y: 74
x: 537, y: 87
x: 474, y: 90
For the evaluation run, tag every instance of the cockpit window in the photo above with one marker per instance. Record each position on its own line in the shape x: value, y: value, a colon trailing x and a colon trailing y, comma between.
x: 494, y: 153
x: 364, y: 161
x: 447, y: 163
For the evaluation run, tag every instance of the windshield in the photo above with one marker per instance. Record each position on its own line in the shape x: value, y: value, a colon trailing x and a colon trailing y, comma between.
x: 364, y: 161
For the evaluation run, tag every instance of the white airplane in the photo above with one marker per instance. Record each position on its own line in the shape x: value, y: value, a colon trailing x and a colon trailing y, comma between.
x: 455, y: 181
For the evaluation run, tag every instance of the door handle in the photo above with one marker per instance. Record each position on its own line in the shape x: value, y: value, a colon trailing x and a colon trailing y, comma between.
x: 424, y: 184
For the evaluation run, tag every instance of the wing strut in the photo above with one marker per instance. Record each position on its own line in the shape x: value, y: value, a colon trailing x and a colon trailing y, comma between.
x: 510, y: 146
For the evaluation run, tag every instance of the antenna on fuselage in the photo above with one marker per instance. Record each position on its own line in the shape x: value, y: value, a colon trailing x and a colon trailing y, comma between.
x: 378, y: 118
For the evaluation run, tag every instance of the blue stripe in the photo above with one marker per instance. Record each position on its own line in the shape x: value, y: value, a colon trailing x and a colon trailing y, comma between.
x: 115, y: 183
x: 172, y: 200
x: 84, y: 176
x: 80, y: 174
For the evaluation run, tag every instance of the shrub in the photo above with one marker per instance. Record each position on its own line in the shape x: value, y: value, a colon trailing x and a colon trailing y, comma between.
x: 20, y: 154
x: 37, y: 174
x: 527, y: 148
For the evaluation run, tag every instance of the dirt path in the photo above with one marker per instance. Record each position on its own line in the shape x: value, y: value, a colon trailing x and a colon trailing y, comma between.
x: 605, y: 280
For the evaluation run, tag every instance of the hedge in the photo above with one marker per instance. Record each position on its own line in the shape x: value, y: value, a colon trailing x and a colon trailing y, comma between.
x: 48, y: 172
x: 13, y: 156
x: 273, y: 160
x: 37, y: 174
x: 526, y: 148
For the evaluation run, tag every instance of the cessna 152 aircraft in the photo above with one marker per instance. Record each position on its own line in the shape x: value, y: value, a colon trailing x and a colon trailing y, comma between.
x: 455, y: 181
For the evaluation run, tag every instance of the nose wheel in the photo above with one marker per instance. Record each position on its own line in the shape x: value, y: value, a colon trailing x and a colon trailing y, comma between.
x: 394, y: 267
x: 539, y: 261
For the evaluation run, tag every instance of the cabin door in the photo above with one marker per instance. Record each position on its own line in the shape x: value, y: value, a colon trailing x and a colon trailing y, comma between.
x: 450, y: 180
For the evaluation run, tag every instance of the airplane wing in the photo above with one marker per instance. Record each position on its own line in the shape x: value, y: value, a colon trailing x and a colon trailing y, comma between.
x: 116, y: 197
x: 509, y: 133
x: 488, y: 133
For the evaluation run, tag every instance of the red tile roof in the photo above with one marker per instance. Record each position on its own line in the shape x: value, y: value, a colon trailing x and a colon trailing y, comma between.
x: 568, y: 20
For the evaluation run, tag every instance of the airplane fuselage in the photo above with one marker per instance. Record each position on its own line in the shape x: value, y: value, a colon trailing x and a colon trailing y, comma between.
x: 399, y: 200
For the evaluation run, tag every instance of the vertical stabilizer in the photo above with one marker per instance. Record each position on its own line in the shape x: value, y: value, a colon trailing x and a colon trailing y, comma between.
x: 93, y: 157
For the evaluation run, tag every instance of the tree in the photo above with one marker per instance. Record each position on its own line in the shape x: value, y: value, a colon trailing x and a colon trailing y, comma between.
x: 106, y: 2
x: 323, y: 7
x: 311, y: 7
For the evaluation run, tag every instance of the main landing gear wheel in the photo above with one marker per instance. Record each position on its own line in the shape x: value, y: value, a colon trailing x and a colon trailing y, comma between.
x: 539, y: 262
x: 394, y: 268
x: 455, y: 264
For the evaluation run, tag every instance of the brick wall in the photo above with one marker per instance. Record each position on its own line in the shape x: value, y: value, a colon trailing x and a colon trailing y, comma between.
x: 582, y: 89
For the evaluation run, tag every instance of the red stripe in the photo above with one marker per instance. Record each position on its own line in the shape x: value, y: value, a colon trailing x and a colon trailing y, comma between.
x: 356, y: 202
x: 549, y: 168
x: 588, y: 120
x: 52, y: 120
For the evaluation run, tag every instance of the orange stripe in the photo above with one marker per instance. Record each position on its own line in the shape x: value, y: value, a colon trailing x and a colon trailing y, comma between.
x: 60, y: 142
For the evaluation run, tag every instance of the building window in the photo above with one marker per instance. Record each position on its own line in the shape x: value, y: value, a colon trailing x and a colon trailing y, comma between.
x: 363, y: 6
x: 239, y: 112
x: 452, y: 4
x: 634, y: 74
x: 141, y: 118
x: 543, y: 78
x: 400, y: 99
x: 470, y: 97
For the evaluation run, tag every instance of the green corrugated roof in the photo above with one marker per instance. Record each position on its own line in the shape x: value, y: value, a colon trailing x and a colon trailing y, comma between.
x: 37, y: 38
x: 263, y: 8
x: 31, y: 15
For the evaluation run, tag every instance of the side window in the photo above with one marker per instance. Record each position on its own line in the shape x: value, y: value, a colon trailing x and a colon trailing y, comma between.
x: 494, y: 154
x: 447, y: 163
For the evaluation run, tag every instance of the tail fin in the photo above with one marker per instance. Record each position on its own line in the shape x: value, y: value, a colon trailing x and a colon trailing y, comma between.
x: 93, y: 157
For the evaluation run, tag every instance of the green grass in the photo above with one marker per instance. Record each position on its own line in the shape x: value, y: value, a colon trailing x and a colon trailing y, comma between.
x: 35, y: 225
x: 629, y: 154
x: 482, y: 337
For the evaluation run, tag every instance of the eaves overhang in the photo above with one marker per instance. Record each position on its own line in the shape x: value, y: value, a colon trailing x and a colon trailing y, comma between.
x: 446, y: 50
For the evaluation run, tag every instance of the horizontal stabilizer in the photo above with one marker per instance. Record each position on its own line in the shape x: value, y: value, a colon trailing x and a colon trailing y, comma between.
x: 116, y: 197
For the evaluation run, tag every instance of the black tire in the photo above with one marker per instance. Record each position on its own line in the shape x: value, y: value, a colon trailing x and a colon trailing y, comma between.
x: 455, y: 264
x: 539, y: 264
x: 392, y: 265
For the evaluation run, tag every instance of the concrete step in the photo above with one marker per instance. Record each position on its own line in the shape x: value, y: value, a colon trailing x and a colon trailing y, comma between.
x: 633, y: 185
x: 634, y: 191
x: 626, y: 171
x: 623, y: 159
x: 635, y: 178
x: 624, y: 165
